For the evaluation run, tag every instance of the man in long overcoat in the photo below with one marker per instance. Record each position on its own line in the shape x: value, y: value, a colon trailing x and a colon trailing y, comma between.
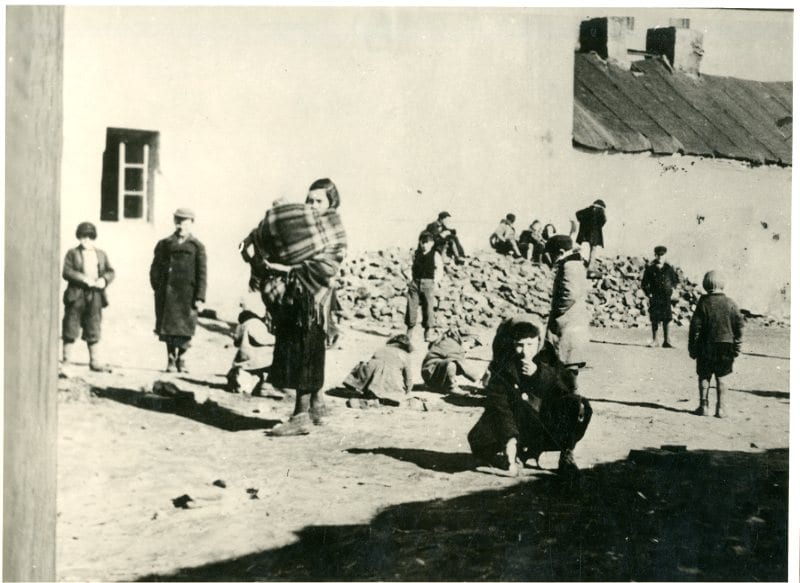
x: 178, y: 279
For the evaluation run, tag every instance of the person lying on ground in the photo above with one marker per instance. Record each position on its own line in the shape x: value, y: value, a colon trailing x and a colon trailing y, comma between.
x: 530, y: 407
x: 444, y: 362
x: 387, y: 374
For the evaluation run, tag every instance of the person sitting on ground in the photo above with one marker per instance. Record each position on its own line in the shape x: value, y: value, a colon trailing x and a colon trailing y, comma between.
x: 658, y: 283
x: 568, y: 324
x: 591, y: 220
x: 253, y: 357
x: 387, y: 373
x: 504, y: 238
x: 444, y: 362
x: 530, y: 407
x: 445, y: 238
x: 426, y: 272
x: 715, y: 340
x: 531, y: 242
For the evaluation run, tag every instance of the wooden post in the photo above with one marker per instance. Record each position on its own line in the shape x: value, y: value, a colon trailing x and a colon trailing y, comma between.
x: 34, y: 75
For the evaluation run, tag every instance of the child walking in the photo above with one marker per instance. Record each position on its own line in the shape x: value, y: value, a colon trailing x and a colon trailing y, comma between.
x: 88, y: 273
x: 715, y: 340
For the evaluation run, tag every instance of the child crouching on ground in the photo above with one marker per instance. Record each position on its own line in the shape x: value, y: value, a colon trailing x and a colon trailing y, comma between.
x: 444, y: 362
x: 387, y: 374
x: 715, y: 340
x: 253, y: 357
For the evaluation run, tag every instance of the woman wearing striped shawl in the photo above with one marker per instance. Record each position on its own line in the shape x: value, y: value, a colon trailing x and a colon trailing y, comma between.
x: 304, y: 246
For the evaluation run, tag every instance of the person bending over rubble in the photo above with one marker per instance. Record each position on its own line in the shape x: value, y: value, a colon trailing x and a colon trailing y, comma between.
x: 444, y: 362
x: 530, y: 406
x: 387, y: 373
x: 304, y: 246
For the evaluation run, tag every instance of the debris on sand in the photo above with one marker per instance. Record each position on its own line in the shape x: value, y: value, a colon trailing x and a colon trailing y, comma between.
x: 185, y: 501
x: 219, y: 484
x: 253, y: 492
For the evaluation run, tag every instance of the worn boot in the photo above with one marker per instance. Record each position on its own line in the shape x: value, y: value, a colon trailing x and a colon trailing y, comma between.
x: 67, y: 351
x: 172, y: 357
x: 296, y: 425
x: 180, y: 363
x: 94, y: 359
x: 721, y: 390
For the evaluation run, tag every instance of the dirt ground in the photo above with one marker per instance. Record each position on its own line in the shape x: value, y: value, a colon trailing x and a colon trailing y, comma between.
x: 392, y: 493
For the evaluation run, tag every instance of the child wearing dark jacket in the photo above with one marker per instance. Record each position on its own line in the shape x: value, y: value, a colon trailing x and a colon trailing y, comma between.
x: 88, y: 273
x: 715, y: 340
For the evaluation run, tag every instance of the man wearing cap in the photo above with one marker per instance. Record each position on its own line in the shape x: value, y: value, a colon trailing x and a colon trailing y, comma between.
x: 88, y: 273
x: 504, y: 238
x: 178, y: 279
x: 658, y: 283
x: 445, y: 239
x: 590, y: 230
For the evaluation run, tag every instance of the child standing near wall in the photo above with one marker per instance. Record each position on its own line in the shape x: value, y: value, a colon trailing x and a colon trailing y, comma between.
x: 88, y: 273
x: 715, y: 340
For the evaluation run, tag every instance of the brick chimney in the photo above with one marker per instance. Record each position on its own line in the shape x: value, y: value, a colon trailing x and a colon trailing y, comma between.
x: 608, y: 37
x: 682, y: 46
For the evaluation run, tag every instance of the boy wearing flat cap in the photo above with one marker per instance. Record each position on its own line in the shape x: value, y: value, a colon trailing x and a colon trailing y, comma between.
x: 178, y: 279
x: 88, y: 273
x: 658, y: 283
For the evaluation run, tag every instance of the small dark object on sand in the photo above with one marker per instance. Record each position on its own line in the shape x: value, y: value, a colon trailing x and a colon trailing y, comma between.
x: 182, y: 501
x: 253, y: 493
x: 219, y: 483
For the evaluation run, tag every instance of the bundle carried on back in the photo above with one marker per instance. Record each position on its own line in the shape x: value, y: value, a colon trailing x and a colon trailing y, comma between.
x: 312, y: 242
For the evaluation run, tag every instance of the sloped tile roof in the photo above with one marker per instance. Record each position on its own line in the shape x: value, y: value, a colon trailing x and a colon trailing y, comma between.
x: 650, y: 108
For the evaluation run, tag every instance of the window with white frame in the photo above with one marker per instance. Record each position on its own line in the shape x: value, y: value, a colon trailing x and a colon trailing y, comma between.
x: 129, y: 163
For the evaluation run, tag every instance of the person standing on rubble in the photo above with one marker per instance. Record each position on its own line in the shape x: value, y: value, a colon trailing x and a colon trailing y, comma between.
x: 426, y: 273
x: 445, y: 239
x: 590, y: 231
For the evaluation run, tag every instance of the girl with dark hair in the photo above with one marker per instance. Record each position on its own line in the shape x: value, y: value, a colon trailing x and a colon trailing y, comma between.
x: 304, y: 246
x: 387, y: 372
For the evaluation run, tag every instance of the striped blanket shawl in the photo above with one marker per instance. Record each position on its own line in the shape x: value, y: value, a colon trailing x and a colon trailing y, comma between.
x: 313, y: 243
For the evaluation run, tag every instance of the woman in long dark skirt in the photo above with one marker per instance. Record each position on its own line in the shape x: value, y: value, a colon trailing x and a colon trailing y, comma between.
x: 304, y: 246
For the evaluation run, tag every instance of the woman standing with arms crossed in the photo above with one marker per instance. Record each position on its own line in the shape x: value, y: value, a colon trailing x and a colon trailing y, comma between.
x: 304, y: 246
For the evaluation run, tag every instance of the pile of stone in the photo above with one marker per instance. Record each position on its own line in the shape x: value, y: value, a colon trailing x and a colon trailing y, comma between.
x: 487, y: 287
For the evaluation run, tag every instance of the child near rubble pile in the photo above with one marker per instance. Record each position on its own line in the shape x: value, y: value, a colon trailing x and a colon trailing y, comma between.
x: 444, y: 362
x: 253, y: 357
x: 715, y: 340
x: 426, y: 272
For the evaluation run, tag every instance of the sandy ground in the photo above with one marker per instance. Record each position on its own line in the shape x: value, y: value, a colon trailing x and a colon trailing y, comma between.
x: 381, y: 493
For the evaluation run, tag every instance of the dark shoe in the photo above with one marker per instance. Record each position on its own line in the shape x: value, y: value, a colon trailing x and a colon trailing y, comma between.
x: 296, y: 425
x: 702, y: 410
x: 667, y: 345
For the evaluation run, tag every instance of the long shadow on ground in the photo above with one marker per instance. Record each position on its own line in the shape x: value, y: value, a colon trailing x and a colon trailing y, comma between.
x: 760, y: 393
x: 439, y: 461
x: 644, y: 404
x: 208, y: 412
x: 675, y: 516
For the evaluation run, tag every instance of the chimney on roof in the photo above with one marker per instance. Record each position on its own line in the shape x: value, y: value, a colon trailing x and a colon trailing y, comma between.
x: 608, y: 37
x: 682, y: 46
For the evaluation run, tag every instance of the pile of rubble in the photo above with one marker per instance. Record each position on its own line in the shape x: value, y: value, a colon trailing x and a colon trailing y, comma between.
x: 487, y: 287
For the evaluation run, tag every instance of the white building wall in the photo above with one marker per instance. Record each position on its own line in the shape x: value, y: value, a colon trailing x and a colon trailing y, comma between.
x: 409, y: 111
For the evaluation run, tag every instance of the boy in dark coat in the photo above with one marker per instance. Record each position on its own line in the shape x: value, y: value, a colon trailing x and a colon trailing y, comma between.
x: 178, y: 279
x: 715, y: 340
x: 590, y: 230
x: 88, y: 273
x: 658, y: 282
x: 445, y: 239
x: 530, y: 407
